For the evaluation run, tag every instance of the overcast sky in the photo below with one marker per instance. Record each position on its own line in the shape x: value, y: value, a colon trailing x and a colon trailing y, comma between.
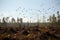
x: 27, y: 9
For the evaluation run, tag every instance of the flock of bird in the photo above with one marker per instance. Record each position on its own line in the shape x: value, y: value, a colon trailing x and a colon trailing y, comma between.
x: 32, y: 13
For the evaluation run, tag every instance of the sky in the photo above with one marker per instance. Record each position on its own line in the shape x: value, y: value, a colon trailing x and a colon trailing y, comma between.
x: 29, y: 10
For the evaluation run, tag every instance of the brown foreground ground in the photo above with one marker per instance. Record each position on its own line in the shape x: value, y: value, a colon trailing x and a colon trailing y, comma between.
x: 30, y: 33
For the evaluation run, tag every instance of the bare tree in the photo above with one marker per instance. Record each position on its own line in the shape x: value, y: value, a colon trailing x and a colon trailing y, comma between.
x: 0, y: 20
x: 58, y: 17
x: 7, y: 19
x: 53, y: 18
x: 13, y: 20
x: 50, y: 19
x: 3, y: 20
x: 18, y: 20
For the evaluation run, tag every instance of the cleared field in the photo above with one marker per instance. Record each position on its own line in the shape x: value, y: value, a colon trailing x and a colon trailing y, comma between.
x: 30, y: 33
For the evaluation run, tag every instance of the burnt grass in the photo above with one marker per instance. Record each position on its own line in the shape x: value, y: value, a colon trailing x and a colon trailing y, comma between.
x: 38, y: 33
